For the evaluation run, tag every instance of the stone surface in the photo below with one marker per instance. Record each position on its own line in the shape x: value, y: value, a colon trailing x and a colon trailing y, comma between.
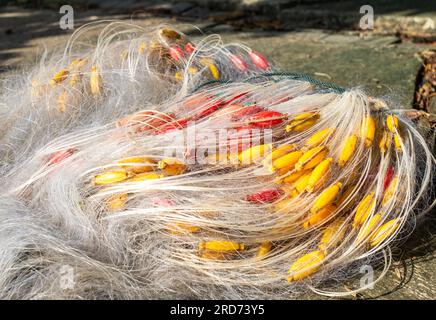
x: 381, y: 65
x: 378, y: 65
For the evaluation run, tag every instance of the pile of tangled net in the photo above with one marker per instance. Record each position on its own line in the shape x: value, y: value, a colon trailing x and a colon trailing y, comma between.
x: 156, y: 167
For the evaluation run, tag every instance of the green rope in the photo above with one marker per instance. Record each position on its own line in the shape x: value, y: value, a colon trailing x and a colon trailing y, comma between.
x: 302, y: 77
x: 291, y: 75
x: 210, y: 82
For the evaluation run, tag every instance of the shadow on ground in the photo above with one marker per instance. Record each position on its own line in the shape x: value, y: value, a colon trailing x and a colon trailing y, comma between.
x: 17, y: 27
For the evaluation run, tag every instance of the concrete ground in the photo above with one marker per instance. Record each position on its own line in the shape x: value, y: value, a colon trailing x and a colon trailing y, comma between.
x: 325, y: 43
